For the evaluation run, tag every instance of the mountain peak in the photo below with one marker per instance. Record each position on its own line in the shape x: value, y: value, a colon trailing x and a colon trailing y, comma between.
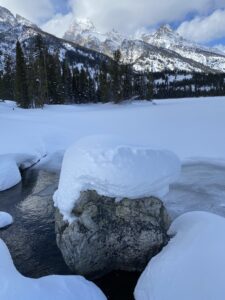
x: 7, y: 19
x: 25, y: 22
x: 82, y: 25
x: 166, y: 28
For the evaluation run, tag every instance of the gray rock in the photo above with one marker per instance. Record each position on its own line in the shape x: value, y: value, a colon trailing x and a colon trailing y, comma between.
x: 109, y: 235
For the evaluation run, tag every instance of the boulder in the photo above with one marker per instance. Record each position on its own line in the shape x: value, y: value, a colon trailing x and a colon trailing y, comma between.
x: 111, y: 234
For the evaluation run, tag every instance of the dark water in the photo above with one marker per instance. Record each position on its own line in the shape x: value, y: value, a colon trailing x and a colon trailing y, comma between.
x: 31, y: 238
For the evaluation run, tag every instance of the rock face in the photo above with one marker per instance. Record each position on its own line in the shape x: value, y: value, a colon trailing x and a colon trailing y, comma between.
x: 112, y: 235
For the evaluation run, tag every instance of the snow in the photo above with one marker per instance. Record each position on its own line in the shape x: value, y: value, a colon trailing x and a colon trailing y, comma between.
x: 5, y: 219
x: 114, y: 169
x: 191, y: 128
x: 192, y: 265
x: 14, y: 286
x: 9, y: 173
x: 20, y: 147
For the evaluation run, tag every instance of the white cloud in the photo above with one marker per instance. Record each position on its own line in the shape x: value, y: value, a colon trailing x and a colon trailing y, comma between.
x: 34, y: 10
x: 59, y: 24
x: 129, y: 15
x: 204, y: 29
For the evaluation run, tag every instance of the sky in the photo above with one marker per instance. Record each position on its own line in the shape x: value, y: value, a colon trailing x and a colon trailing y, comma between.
x: 202, y: 21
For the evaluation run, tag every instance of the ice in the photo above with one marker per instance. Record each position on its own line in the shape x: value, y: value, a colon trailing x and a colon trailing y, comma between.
x: 192, y: 265
x: 5, y: 219
x: 16, y: 287
x: 115, y: 169
x: 201, y: 186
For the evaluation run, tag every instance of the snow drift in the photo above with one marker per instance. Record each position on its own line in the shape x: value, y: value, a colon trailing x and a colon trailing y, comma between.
x: 16, y: 287
x: 111, y: 168
x: 20, y: 147
x: 192, y: 265
x: 5, y: 219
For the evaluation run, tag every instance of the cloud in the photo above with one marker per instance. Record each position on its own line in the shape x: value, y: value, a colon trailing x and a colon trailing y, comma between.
x: 129, y: 15
x: 204, y: 29
x: 36, y: 11
x: 59, y: 24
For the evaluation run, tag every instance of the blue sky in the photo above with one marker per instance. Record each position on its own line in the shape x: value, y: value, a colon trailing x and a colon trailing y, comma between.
x: 202, y: 21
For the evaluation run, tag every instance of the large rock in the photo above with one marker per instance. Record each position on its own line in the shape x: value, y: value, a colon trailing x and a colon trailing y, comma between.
x: 111, y: 235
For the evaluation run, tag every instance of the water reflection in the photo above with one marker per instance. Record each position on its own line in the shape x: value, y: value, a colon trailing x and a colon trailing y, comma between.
x: 31, y: 239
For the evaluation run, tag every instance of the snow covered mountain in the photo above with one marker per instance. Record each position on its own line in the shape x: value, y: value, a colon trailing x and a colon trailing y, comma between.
x: 13, y: 28
x: 84, y: 44
x: 163, y: 50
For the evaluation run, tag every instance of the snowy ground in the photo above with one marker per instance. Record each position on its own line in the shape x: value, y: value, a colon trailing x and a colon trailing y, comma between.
x: 192, y: 265
x: 191, y: 128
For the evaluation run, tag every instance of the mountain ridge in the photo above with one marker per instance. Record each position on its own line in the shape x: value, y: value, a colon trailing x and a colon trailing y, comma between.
x: 165, y: 42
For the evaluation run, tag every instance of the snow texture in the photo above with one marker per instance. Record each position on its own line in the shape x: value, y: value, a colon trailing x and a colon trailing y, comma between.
x: 5, y: 219
x: 192, y: 265
x: 110, y: 167
x: 15, y: 287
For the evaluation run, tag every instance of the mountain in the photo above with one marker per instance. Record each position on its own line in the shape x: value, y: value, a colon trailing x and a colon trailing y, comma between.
x: 13, y: 28
x: 84, y: 33
x: 163, y: 50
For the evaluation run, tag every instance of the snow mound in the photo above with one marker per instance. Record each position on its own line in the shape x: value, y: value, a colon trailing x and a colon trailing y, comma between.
x: 192, y: 265
x: 21, y: 147
x: 5, y: 219
x: 14, y: 286
x: 9, y: 173
x: 105, y: 164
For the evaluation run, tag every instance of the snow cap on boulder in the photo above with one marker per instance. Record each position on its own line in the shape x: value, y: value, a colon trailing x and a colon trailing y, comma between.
x: 113, y: 169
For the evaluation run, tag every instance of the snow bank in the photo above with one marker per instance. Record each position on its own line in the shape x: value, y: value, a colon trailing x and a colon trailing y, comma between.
x: 105, y: 164
x: 20, y: 146
x: 5, y: 219
x: 9, y: 173
x: 192, y: 265
x: 14, y: 286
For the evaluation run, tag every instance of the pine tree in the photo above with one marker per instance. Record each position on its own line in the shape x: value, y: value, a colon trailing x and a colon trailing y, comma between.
x: 21, y: 90
x: 8, y: 79
x: 83, y: 86
x: 116, y: 88
x: 67, y: 82
x: 55, y: 89
x: 40, y: 82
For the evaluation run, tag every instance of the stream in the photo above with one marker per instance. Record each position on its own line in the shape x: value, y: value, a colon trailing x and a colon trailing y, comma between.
x: 31, y: 238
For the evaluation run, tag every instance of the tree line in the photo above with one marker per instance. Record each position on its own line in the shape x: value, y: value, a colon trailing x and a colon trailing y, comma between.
x: 174, y: 84
x: 41, y: 77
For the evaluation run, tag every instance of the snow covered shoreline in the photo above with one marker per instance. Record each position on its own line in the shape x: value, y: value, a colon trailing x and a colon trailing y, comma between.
x: 188, y: 127
x: 15, y: 286
x: 192, y: 265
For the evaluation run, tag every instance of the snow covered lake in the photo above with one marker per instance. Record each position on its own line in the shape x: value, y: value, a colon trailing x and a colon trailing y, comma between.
x: 192, y: 128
